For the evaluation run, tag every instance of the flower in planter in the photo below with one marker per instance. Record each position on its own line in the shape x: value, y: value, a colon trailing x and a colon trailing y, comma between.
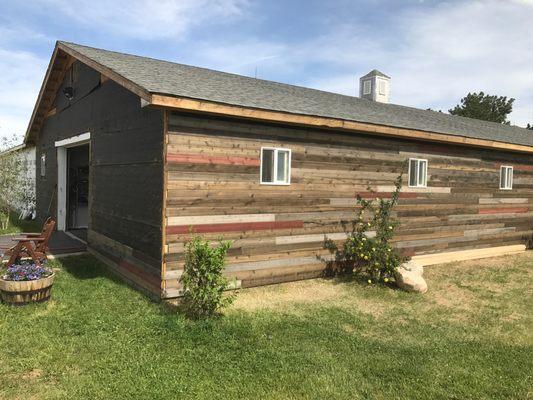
x: 26, y: 271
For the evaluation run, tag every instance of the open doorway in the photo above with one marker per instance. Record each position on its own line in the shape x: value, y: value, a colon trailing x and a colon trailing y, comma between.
x: 73, y: 166
x: 78, y: 190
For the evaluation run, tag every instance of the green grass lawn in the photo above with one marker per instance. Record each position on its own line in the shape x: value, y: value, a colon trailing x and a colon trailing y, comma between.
x: 16, y: 226
x: 469, y: 337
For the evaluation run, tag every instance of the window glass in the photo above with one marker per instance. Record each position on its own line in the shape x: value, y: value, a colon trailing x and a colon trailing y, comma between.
x: 43, y: 165
x: 267, y: 166
x: 283, y: 164
x: 422, y: 169
x: 412, y: 172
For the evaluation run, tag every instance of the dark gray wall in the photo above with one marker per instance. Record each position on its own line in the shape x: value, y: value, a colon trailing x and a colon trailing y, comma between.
x: 126, y: 167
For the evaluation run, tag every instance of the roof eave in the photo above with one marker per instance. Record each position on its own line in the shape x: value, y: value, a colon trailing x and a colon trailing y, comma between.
x: 196, y: 105
x: 38, y: 115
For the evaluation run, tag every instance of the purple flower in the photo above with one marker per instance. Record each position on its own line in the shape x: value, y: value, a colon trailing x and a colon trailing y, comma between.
x: 26, y: 271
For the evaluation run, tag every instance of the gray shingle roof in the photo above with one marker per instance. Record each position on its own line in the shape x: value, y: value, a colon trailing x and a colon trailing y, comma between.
x: 163, y: 77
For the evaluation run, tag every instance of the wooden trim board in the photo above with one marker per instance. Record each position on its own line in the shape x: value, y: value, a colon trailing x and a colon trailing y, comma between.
x: 463, y: 255
x: 186, y: 104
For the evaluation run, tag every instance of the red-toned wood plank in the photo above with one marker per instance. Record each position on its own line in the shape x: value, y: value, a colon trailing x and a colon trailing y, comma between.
x: 155, y: 281
x: 518, y: 167
x: 433, y: 148
x: 523, y: 167
x: 506, y: 210
x: 207, y: 159
x: 233, y: 227
x: 386, y: 195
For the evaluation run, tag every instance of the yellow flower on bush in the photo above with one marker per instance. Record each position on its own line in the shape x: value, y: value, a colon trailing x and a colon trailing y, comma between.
x: 386, y: 280
x: 369, y: 281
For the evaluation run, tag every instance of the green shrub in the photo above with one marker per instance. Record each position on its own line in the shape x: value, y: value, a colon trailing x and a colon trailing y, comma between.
x: 202, y: 279
x: 372, y: 258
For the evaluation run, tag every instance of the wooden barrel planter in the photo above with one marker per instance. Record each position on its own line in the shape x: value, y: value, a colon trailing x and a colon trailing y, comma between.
x: 24, y: 292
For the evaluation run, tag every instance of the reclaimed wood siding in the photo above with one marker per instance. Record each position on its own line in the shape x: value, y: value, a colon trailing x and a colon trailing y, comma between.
x: 212, y: 175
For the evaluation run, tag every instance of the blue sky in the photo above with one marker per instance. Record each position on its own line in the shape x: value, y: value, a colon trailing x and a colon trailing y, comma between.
x: 435, y: 51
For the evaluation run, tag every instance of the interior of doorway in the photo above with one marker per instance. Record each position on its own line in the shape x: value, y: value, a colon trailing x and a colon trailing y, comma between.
x: 78, y: 191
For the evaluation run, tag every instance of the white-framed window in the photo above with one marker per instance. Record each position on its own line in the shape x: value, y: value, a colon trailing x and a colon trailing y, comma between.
x: 418, y: 172
x: 275, y: 166
x: 382, y: 87
x: 43, y: 165
x: 367, y: 87
x: 506, y: 177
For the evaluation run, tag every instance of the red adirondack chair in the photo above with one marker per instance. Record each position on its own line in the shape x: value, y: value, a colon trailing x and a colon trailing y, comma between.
x: 32, y: 245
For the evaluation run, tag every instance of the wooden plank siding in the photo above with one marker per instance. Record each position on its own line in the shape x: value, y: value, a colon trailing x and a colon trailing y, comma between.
x: 212, y: 187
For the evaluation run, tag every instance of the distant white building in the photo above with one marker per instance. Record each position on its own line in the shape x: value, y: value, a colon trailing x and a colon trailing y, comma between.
x: 27, y: 155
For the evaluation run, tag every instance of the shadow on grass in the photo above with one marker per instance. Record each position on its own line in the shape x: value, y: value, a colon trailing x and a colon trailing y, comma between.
x: 87, y: 267
x: 330, y: 347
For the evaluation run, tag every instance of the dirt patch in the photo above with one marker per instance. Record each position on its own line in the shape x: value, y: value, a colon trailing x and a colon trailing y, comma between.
x: 327, y: 292
x: 286, y: 294
x: 30, y: 375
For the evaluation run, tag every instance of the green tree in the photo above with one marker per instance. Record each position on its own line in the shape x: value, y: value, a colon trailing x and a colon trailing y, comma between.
x: 484, y: 106
x: 11, y: 191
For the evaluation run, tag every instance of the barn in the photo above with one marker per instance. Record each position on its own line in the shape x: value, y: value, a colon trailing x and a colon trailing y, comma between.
x: 135, y: 152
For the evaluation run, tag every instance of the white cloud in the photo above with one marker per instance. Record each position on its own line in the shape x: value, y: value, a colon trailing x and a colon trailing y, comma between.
x: 21, y: 74
x: 435, y: 54
x: 446, y: 52
x: 147, y: 19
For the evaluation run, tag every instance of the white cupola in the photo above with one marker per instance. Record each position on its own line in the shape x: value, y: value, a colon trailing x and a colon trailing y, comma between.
x: 375, y: 86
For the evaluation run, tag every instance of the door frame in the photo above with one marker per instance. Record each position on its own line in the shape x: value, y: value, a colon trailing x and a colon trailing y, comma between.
x: 62, y: 173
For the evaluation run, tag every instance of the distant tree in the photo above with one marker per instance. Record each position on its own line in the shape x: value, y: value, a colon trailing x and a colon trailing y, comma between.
x: 10, y: 170
x: 484, y: 106
x: 530, y: 126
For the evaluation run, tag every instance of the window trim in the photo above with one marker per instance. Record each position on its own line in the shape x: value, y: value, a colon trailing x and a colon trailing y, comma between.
x: 275, y: 181
x: 502, y: 168
x: 425, y: 184
x: 369, y: 91
x: 382, y: 87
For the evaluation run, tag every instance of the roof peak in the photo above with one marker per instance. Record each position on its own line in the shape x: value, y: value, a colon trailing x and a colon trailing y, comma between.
x: 376, y: 72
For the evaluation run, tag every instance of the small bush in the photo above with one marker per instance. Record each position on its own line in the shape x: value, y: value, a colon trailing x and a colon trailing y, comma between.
x: 202, y: 279
x: 373, y: 258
